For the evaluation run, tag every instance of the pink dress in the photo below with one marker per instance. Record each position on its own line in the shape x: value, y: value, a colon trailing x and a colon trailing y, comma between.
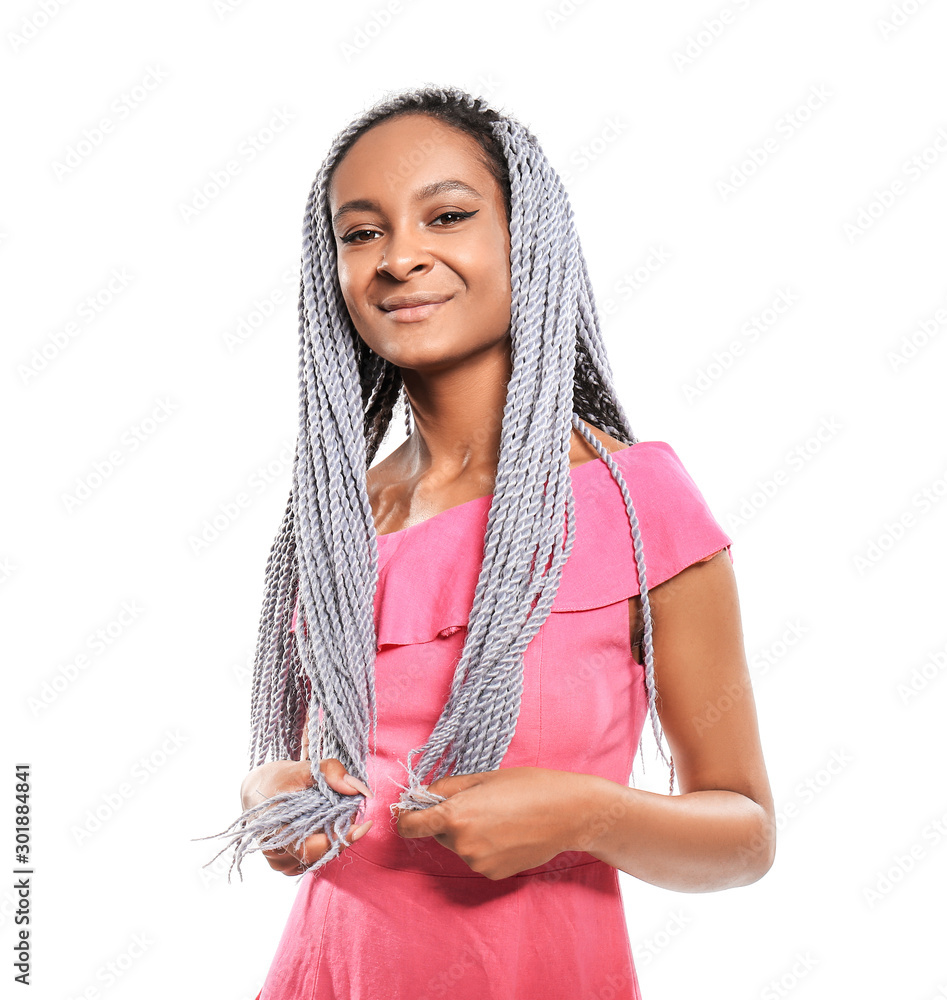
x: 407, y: 919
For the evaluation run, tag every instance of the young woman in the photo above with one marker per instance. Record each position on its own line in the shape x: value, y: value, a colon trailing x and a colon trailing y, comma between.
x: 484, y: 596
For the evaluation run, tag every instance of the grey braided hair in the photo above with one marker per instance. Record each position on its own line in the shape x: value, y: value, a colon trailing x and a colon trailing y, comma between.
x: 325, y: 553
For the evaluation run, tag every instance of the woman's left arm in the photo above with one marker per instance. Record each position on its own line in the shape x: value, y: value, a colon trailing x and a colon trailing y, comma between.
x: 720, y: 832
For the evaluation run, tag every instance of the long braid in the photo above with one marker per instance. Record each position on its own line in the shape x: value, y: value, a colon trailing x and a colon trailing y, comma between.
x: 326, y: 555
x: 524, y: 526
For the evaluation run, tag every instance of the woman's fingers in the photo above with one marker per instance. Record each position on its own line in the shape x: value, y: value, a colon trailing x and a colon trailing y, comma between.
x: 286, y: 864
x: 360, y: 831
x: 317, y: 845
x: 287, y: 776
x: 294, y: 858
x: 291, y: 861
x: 337, y: 779
x: 358, y: 785
x: 279, y: 776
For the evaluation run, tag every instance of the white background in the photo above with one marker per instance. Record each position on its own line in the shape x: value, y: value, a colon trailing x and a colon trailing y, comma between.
x: 836, y: 547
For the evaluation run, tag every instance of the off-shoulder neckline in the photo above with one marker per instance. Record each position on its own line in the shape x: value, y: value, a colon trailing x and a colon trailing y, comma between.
x: 489, y: 496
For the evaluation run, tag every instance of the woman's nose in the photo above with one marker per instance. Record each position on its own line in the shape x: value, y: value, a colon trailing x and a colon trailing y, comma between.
x: 403, y: 253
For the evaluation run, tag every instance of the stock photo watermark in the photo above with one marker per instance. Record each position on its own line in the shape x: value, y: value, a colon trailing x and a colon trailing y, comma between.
x: 261, y: 310
x: 129, y: 442
x: 763, y: 660
x: 242, y: 670
x: 32, y: 24
x: 804, y: 793
x: 94, y: 136
x: 710, y: 31
x: 921, y: 677
x: 905, y: 862
x: 224, y: 7
x: 650, y: 948
x: 229, y: 511
x: 371, y: 29
x: 632, y: 282
x: 898, y: 16
x: 594, y: 148
x: 795, y: 461
x: 88, y: 310
x: 111, y: 802
x: 219, y: 179
x: 803, y: 962
x: 884, y: 198
x: 97, y: 642
x: 446, y: 978
x: 557, y: 15
x: 726, y: 358
x: 758, y: 155
x: 23, y: 886
x: 911, y: 344
x: 7, y: 569
x: 895, y: 530
x: 409, y: 162
x: 112, y: 971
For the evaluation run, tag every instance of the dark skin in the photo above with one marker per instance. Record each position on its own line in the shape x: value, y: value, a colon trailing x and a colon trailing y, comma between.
x: 454, y: 357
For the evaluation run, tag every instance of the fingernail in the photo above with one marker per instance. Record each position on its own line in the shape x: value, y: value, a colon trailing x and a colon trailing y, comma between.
x: 359, y: 786
x: 360, y: 831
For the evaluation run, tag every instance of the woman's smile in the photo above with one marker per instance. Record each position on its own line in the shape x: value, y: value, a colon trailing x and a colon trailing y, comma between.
x: 413, y: 314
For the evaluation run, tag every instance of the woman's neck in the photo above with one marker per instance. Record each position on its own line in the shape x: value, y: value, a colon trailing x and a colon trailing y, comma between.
x: 457, y: 414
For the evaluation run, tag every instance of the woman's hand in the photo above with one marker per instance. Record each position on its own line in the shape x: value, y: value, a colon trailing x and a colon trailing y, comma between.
x: 506, y: 821
x: 278, y: 776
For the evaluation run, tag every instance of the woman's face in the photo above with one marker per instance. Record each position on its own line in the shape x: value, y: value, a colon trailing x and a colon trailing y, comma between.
x: 416, y: 215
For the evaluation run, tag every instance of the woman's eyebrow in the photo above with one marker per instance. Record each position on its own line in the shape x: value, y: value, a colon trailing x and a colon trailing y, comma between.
x: 422, y: 193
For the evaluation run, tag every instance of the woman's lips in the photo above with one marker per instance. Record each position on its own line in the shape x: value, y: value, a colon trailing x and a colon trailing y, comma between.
x: 412, y: 314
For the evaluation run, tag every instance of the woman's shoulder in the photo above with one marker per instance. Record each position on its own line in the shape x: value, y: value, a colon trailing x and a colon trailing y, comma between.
x: 581, y: 451
x: 656, y: 463
x: 677, y: 526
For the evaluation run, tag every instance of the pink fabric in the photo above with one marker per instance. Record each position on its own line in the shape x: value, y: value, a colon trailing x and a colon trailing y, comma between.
x: 408, y: 919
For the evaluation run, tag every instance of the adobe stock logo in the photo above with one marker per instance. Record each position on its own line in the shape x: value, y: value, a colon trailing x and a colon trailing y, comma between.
x: 106, y: 466
x: 913, y: 343
x: 725, y: 358
x: 884, y: 198
x: 96, y: 643
x: 897, y: 18
x: 710, y: 30
x: 922, y: 676
x: 378, y: 22
x: 759, y: 154
x: 32, y: 24
x: 905, y: 861
x: 95, y: 135
x: 795, y: 461
x: 86, y: 313
x: 804, y: 963
x: 895, y: 529
x: 648, y: 950
x: 111, y: 802
x: 219, y: 179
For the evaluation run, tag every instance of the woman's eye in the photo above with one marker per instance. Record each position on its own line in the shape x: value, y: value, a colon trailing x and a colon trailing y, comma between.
x: 457, y: 215
x: 452, y: 218
x: 358, y: 232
